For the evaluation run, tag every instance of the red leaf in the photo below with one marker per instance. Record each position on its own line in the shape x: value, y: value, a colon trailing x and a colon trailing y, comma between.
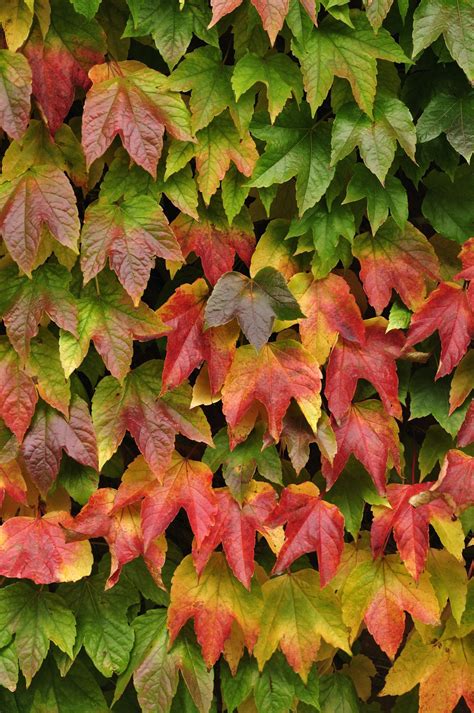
x: 467, y: 259
x: 448, y: 311
x: 466, y: 432
x: 188, y: 344
x: 12, y: 482
x: 272, y: 12
x: 374, y: 361
x: 367, y: 432
x: 216, y: 245
x: 18, y: 395
x: 235, y: 527
x: 313, y: 526
x: 50, y: 434
x: 36, y: 548
x: 456, y: 479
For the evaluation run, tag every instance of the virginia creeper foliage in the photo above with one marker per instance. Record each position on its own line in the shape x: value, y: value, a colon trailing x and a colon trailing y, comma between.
x: 236, y: 359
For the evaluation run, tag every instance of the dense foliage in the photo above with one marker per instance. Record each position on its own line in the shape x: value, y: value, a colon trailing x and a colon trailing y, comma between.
x: 237, y: 427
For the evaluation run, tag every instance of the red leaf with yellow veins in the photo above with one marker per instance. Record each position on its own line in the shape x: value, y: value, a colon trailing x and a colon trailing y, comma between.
x: 18, y: 395
x: 410, y: 524
x: 122, y: 531
x: 466, y: 432
x: 12, y: 482
x: 467, y: 259
x: 373, y: 361
x: 330, y: 310
x: 29, y: 301
x: 395, y: 259
x: 216, y: 244
x: 15, y: 91
x: 379, y: 593
x: 153, y: 422
x: 297, y: 614
x: 130, y: 100
x: 456, y: 479
x: 235, y: 527
x: 50, y: 434
x: 313, y: 525
x: 39, y: 198
x: 108, y: 317
x: 272, y: 12
x: 131, y: 235
x: 271, y: 377
x: 368, y: 433
x: 448, y: 311
x: 218, y: 603
x: 188, y: 344
x: 35, y: 548
x: 186, y: 484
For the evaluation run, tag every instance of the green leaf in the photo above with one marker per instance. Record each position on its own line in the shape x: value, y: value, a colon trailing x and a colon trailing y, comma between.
x: 237, y: 687
x: 433, y: 449
x: 430, y: 397
x: 381, y: 200
x: 337, y: 694
x: 78, y: 692
x: 448, y: 204
x: 88, y: 8
x: 453, y: 116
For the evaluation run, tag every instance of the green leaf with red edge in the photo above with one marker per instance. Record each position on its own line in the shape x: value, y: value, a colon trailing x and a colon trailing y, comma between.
x: 38, y: 199
x: 108, y: 318
x: 379, y: 593
x: 395, y: 259
x: 297, y: 614
x: 456, y: 479
x: 373, y: 361
x: 218, y: 603
x: 18, y: 395
x: 253, y: 302
x: 15, y: 91
x: 26, y: 302
x: 467, y: 259
x: 153, y: 422
x: 36, y: 548
x: 409, y: 518
x: 371, y: 435
x: 131, y: 235
x: 189, y: 344
x: 447, y: 310
x: 133, y: 101
x: 215, y: 242
x: 313, y: 525
x: 50, y: 434
x: 330, y: 310
x: 235, y: 526
x: 269, y: 379
x: 60, y: 62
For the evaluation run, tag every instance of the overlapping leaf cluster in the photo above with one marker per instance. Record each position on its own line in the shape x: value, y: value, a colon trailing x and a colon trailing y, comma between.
x: 236, y: 372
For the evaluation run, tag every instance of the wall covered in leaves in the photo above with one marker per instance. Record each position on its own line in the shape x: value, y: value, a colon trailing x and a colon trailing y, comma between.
x: 236, y: 419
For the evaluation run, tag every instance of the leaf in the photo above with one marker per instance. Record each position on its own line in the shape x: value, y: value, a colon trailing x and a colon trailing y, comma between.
x: 102, y: 623
x: 452, y: 115
x: 254, y: 303
x: 330, y: 310
x: 467, y: 259
x: 462, y: 382
x: 377, y: 138
x: 338, y: 692
x: 466, y: 432
x: 447, y: 310
x: 18, y: 395
x: 235, y: 526
x: 44, y: 366
x: 403, y: 260
x: 36, y: 617
x: 292, y: 373
x: 430, y: 397
x: 379, y: 592
x: 456, y: 479
x: 297, y: 435
x: 108, y: 317
x: 189, y: 344
x: 277, y: 72
x: 447, y: 203
x: 16, y: 17
x: 12, y: 482
x: 367, y: 432
x: 15, y: 91
x: 118, y: 87
x: 443, y: 670
x: 380, y: 199
x: 374, y: 361
x: 433, y: 17
x: 313, y: 525
x: 330, y: 51
x: 38, y: 199
x: 217, y: 602
x: 136, y: 407
x: 274, y: 251
x: 296, y: 146
x: 35, y: 548
x: 60, y: 62
x: 131, y: 235
x: 449, y: 578
x: 297, y: 614
x: 79, y: 692
x: 50, y: 434
x: 214, y: 242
